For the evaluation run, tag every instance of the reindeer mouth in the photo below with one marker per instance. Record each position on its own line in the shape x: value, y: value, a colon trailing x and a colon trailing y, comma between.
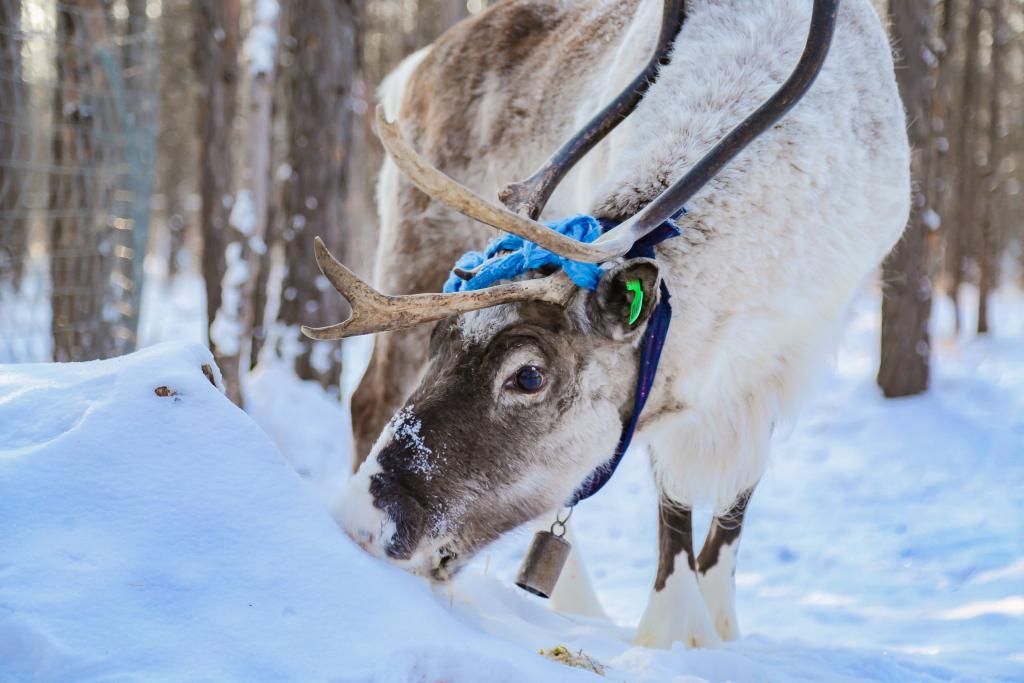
x: 445, y: 564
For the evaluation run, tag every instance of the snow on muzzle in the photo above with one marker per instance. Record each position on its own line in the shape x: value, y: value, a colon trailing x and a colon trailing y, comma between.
x: 395, y: 506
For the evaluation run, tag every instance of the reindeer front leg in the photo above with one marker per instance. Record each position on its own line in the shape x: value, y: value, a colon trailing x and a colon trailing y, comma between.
x: 716, y: 567
x: 676, y: 610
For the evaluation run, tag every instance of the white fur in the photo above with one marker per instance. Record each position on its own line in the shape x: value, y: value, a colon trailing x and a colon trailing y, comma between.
x: 718, y: 586
x: 354, y: 511
x: 356, y: 514
x: 677, y: 613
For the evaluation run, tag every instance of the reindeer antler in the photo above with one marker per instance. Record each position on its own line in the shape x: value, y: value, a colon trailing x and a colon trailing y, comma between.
x: 454, y: 195
x: 528, y: 197
x: 376, y: 312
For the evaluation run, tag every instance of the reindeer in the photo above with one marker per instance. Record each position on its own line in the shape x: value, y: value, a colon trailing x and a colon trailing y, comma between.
x: 494, y: 416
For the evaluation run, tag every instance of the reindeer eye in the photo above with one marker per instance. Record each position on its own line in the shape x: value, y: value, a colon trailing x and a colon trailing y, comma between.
x: 529, y: 378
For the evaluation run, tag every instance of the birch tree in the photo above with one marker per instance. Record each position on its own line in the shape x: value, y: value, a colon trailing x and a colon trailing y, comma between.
x: 232, y: 326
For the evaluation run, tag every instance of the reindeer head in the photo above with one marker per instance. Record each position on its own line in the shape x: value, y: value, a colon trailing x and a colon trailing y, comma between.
x: 528, y: 382
x: 518, y: 404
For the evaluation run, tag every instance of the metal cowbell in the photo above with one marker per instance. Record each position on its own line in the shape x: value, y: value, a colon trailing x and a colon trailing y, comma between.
x: 543, y: 563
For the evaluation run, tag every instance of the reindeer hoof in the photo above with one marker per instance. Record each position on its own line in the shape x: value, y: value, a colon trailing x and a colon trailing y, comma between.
x: 677, y: 613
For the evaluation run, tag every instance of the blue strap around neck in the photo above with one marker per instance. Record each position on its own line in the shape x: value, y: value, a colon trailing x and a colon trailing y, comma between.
x: 650, y: 353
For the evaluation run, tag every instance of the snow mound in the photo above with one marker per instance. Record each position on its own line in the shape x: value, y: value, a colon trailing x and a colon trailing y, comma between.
x: 165, y: 538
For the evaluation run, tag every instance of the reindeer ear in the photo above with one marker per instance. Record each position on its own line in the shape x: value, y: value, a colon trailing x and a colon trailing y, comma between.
x: 625, y: 297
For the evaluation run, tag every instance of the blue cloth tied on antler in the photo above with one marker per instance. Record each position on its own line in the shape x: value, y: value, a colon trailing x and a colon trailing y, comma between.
x: 509, y: 256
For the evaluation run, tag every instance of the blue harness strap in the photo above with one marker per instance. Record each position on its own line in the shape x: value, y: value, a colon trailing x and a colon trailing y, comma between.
x: 650, y: 354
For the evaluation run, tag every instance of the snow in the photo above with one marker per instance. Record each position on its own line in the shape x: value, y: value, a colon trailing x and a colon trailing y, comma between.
x: 243, y: 213
x: 406, y: 426
x: 172, y: 308
x: 308, y: 426
x: 164, y: 538
x: 226, y: 330
x: 24, y: 313
x: 171, y: 538
x: 261, y: 42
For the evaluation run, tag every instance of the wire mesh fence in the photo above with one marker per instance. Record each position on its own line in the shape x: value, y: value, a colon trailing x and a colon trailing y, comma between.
x: 79, y: 98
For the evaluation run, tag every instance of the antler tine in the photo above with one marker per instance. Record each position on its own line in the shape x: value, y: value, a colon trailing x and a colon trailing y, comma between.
x: 669, y: 202
x: 343, y: 279
x: 529, y: 197
x: 376, y: 312
x: 456, y: 196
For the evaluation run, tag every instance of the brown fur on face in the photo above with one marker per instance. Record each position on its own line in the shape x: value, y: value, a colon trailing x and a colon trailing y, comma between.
x: 472, y: 454
x: 468, y: 436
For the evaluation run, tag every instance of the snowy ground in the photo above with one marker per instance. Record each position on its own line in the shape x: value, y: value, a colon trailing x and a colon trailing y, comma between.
x: 149, y: 537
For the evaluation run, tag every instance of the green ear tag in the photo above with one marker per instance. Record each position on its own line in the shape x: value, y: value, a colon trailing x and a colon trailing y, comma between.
x: 637, y: 304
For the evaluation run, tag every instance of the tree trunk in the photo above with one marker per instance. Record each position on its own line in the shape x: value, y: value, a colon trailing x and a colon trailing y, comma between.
x: 141, y: 124
x: 78, y: 265
x: 177, y: 143
x: 320, y: 121
x: 960, y: 239
x: 215, y: 59
x: 457, y: 10
x: 990, y: 230
x: 940, y: 189
x: 138, y: 21
x: 906, y: 299
x: 259, y: 292
x: 15, y: 138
